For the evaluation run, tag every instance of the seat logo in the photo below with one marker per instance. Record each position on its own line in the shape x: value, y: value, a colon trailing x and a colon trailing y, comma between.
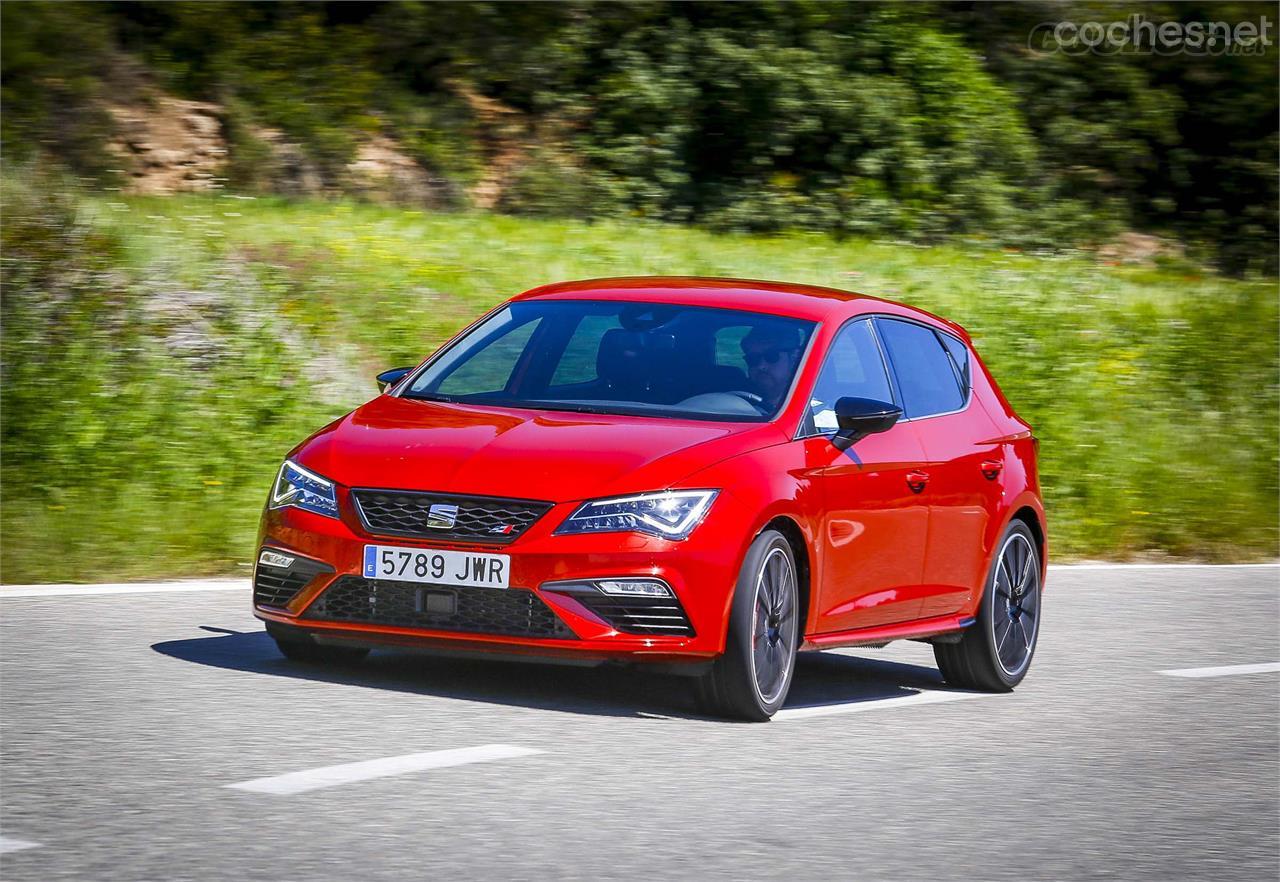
x: 442, y: 516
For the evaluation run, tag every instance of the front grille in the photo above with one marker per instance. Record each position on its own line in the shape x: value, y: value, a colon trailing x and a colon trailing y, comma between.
x: 478, y: 518
x: 277, y: 587
x: 508, y: 611
x: 639, y: 615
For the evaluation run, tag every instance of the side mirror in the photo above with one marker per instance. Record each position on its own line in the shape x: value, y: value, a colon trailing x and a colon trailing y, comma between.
x: 860, y: 417
x: 387, y: 379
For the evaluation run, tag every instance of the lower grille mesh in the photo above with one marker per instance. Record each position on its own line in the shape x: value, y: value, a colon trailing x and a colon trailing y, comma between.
x: 507, y: 611
x: 277, y: 587
x: 640, y: 615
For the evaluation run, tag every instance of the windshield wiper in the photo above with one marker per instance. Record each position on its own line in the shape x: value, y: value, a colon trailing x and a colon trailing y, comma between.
x: 536, y: 404
x: 429, y: 396
x: 531, y: 404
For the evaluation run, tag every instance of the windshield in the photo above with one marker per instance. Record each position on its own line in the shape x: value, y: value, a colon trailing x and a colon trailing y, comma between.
x: 618, y: 357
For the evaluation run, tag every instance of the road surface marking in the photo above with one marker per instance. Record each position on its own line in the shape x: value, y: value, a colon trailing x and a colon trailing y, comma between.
x: 1160, y: 566
x: 8, y: 844
x: 854, y: 707
x: 332, y: 776
x: 8, y: 591
x: 1225, y: 671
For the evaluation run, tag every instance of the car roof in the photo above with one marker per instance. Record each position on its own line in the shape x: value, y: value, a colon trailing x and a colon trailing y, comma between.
x: 813, y: 302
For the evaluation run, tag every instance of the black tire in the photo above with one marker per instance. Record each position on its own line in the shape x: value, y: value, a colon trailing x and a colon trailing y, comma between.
x: 314, y: 653
x: 758, y: 647
x: 995, y: 652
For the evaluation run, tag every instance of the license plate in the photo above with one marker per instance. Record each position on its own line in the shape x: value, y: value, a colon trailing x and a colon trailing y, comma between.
x: 436, y: 567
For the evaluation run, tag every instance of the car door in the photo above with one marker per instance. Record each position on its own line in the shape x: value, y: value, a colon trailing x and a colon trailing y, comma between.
x: 962, y: 462
x: 874, y: 527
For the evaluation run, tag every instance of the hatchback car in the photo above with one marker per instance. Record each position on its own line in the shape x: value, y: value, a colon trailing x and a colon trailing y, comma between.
x: 708, y: 475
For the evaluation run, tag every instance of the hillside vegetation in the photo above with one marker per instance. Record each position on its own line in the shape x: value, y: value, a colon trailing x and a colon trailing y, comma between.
x: 920, y: 121
x: 161, y: 355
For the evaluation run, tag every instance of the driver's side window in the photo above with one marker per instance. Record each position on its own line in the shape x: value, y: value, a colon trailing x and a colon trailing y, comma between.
x: 854, y: 367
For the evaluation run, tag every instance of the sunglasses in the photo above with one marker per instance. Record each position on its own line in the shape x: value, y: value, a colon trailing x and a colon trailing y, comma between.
x: 764, y: 356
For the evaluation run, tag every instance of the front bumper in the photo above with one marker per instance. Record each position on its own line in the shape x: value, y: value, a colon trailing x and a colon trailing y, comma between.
x: 552, y: 623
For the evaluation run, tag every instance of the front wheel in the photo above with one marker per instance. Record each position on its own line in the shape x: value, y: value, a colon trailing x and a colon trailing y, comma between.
x: 995, y: 652
x: 751, y: 680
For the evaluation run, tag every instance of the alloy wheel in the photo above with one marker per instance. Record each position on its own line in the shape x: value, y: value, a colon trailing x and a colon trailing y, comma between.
x: 1015, y: 606
x: 774, y: 625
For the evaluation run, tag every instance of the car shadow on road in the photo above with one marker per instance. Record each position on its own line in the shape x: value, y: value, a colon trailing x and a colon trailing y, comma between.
x: 820, y: 678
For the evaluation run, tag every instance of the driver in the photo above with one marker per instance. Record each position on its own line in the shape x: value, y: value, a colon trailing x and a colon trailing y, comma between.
x: 771, y: 352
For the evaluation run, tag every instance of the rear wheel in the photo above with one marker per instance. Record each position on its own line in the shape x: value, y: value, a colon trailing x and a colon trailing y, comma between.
x: 751, y: 680
x: 995, y: 652
x: 314, y: 653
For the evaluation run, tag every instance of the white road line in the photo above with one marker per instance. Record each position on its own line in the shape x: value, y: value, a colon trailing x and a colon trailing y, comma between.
x: 1159, y: 566
x: 8, y: 844
x: 332, y: 776
x: 856, y: 707
x: 1224, y: 671
x: 10, y: 591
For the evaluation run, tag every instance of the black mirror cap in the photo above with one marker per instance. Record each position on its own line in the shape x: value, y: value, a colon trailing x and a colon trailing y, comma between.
x: 860, y: 417
x: 387, y: 379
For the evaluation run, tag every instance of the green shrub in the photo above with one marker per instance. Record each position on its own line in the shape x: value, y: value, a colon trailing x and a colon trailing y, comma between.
x: 52, y: 60
x: 161, y: 355
x: 919, y: 121
x: 139, y: 410
x: 551, y: 184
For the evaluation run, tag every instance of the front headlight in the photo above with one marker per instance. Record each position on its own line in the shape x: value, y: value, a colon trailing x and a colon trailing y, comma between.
x: 671, y: 514
x: 297, y: 487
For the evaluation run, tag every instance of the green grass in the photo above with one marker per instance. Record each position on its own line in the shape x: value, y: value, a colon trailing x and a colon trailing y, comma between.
x: 162, y: 355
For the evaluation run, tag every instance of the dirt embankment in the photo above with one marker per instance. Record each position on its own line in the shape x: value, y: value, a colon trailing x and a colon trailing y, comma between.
x: 166, y: 145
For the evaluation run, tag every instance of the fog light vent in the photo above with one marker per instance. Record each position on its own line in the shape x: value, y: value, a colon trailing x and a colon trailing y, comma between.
x: 272, y: 559
x: 631, y: 606
x: 634, y: 588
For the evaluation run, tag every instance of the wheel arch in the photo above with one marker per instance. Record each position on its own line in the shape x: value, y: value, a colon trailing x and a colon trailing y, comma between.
x: 1028, y: 510
x: 1031, y: 518
x: 1024, y: 508
x: 790, y: 530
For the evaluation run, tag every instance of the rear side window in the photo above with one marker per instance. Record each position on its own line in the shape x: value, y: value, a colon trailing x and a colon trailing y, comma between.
x: 959, y: 357
x: 853, y: 368
x: 928, y: 382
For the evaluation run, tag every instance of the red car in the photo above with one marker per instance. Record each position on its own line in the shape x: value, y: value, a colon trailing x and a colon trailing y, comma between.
x: 703, y: 474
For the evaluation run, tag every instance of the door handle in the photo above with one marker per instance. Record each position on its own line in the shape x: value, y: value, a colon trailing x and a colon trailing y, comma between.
x: 917, y: 481
x: 992, y: 468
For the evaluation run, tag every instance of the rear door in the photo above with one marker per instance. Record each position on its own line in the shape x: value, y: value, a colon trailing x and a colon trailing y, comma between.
x: 962, y: 464
x: 874, y: 527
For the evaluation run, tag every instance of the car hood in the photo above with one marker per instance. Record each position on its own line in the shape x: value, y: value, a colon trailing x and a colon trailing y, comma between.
x: 408, y: 444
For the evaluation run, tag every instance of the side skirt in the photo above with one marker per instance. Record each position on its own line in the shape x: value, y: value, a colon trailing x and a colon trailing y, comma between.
x: 942, y: 629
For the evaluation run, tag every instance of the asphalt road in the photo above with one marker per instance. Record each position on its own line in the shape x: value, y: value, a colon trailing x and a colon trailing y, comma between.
x: 125, y: 719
